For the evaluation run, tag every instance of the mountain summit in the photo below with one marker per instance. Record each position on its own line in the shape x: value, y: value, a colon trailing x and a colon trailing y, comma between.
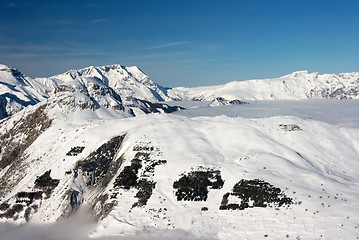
x: 128, y: 82
x: 18, y: 91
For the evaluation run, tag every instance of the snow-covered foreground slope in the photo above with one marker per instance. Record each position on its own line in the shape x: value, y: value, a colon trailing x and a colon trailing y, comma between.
x: 197, y: 174
x: 297, y: 85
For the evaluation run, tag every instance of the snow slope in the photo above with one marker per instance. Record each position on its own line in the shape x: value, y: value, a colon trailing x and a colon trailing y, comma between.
x: 297, y: 85
x: 313, y: 162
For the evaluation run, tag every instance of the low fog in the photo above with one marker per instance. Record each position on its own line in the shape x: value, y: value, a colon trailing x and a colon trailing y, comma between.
x: 78, y: 227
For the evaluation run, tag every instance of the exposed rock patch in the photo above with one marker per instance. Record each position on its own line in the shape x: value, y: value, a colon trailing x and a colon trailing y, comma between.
x: 220, y: 101
x: 128, y: 176
x: 15, y: 141
x: 290, y: 127
x: 75, y: 151
x: 96, y: 171
x: 194, y: 185
x: 150, y: 107
x: 98, y: 165
x: 46, y: 183
x: 23, y: 204
x: 254, y: 193
x: 139, y: 174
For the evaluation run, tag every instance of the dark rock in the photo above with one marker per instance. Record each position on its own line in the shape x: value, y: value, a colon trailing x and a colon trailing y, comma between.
x: 144, y: 193
x: 75, y: 151
x: 28, y: 197
x: 46, y: 183
x: 204, y: 209
x: 96, y: 166
x: 28, y: 129
x: 237, y: 102
x: 4, y: 206
x: 10, y: 213
x: 220, y: 101
x: 128, y: 178
x: 194, y: 185
x: 149, y: 107
x: 262, y: 194
x: 290, y: 127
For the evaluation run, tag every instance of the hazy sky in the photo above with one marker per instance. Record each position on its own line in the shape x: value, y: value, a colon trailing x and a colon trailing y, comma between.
x: 182, y: 43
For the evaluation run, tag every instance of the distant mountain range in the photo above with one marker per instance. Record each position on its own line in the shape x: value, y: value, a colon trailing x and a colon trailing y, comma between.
x: 294, y: 86
x: 117, y: 86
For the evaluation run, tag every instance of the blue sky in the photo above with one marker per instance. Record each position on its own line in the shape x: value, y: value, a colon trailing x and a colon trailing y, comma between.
x: 182, y: 43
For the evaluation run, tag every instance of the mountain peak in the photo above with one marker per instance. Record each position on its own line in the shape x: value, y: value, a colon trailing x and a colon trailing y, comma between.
x: 299, y: 73
x: 11, y: 72
x: 3, y: 66
x: 17, y: 91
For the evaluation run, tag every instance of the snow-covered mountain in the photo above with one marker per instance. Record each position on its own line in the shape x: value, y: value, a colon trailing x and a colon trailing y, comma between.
x: 18, y: 91
x: 221, y: 169
x: 297, y: 85
x: 127, y: 82
x: 115, y: 88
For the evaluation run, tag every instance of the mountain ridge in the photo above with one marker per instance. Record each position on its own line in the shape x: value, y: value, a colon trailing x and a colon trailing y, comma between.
x: 117, y: 86
x: 113, y: 86
x: 296, y: 85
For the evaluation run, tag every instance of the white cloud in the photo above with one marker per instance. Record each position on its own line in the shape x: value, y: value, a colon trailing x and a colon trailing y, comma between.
x: 167, y: 45
x: 100, y: 20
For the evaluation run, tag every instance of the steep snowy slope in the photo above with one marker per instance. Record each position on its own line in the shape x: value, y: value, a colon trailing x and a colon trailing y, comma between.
x: 18, y: 91
x: 298, y: 85
x: 216, y: 177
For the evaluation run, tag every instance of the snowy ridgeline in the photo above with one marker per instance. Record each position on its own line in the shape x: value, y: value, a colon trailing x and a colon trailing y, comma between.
x: 120, y: 88
x: 261, y: 170
x: 294, y: 86
x: 126, y: 91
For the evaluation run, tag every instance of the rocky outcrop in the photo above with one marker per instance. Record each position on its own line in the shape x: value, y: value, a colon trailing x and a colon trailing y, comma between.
x: 194, y: 185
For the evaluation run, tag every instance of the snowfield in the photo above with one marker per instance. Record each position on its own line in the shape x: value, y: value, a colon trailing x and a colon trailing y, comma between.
x: 85, y: 163
x: 313, y: 159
